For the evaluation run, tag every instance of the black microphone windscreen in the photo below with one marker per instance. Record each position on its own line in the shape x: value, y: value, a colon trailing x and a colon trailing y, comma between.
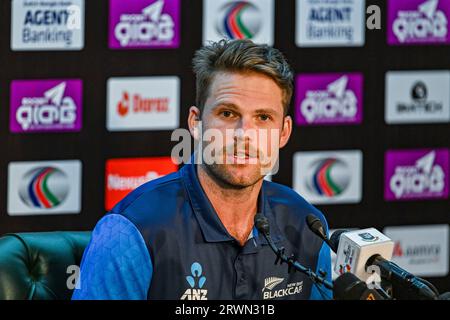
x: 334, y: 239
x: 316, y: 226
x: 445, y: 296
x: 262, y: 224
x: 348, y: 287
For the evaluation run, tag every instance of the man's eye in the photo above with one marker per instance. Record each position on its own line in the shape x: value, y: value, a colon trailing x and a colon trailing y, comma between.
x: 264, y: 117
x: 227, y: 114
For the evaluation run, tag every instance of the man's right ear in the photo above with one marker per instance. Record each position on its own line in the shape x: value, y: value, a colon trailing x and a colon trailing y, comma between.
x: 194, y: 122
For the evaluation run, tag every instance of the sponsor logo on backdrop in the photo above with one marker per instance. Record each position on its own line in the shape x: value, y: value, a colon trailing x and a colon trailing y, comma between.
x: 135, y: 103
x: 125, y: 175
x: 329, y: 99
x: 44, y: 187
x: 320, y: 181
x: 416, y: 174
x: 329, y: 176
x: 46, y: 105
x: 250, y: 19
x: 150, y: 103
x: 321, y: 23
x: 47, y: 25
x: 144, y: 24
x: 422, y: 250
x: 231, y: 24
x: 417, y: 96
x: 418, y: 22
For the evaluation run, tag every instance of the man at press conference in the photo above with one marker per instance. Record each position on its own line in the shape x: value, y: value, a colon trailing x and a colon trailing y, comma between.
x: 191, y: 234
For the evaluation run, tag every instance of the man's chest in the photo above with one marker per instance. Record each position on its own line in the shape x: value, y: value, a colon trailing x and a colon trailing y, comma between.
x: 223, y: 271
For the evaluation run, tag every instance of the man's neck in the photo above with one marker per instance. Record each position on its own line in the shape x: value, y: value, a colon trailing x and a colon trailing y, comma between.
x: 236, y: 208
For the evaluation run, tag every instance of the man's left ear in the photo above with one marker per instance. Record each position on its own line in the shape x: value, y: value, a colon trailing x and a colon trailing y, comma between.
x: 286, y: 131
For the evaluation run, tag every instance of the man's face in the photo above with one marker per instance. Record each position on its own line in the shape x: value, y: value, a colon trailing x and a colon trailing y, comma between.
x: 247, y: 110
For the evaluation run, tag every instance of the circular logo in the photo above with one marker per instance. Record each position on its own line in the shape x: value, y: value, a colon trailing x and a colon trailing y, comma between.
x: 238, y: 20
x: 44, y: 187
x: 329, y: 177
x: 419, y: 92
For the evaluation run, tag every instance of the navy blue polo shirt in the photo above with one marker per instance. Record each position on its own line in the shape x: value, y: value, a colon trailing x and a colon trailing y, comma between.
x: 165, y: 241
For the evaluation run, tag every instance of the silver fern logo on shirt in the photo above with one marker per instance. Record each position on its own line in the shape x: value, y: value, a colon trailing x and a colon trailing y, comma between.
x: 270, y: 283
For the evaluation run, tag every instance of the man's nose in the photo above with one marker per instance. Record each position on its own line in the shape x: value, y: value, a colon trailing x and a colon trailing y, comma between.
x: 246, y: 131
x: 246, y: 123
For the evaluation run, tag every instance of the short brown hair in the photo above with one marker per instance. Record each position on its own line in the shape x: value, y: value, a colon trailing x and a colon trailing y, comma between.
x: 240, y: 56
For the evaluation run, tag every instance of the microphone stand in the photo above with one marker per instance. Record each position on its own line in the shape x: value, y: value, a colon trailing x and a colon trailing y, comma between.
x: 262, y: 225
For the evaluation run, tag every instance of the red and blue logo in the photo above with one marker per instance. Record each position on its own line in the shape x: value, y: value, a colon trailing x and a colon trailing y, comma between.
x: 44, y: 188
x: 239, y: 20
x: 330, y: 177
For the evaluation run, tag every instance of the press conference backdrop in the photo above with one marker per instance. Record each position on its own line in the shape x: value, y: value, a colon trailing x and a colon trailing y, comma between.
x: 90, y: 92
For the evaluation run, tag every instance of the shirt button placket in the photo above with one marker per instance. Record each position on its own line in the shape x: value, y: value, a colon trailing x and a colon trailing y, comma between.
x: 241, y: 283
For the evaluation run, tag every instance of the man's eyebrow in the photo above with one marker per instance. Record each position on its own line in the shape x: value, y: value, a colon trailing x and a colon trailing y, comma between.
x: 234, y: 107
x: 229, y: 105
x: 266, y: 110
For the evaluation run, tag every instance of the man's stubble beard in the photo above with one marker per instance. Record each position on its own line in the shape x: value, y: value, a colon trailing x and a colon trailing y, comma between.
x: 225, y: 179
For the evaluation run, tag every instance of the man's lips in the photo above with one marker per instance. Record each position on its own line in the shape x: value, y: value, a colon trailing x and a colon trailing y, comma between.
x: 241, y: 156
x: 242, y: 153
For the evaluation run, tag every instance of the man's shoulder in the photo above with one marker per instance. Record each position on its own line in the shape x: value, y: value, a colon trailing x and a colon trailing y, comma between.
x: 154, y: 199
x: 284, y: 195
x: 285, y: 199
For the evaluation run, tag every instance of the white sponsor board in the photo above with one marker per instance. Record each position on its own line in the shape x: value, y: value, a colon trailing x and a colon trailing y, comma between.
x: 44, y: 187
x: 417, y: 97
x: 327, y: 177
x: 143, y: 103
x: 421, y: 250
x: 42, y: 25
x: 325, y: 23
x: 231, y: 19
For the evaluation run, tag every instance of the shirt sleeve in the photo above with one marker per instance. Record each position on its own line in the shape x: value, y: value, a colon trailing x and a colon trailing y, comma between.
x: 320, y: 292
x: 116, y: 265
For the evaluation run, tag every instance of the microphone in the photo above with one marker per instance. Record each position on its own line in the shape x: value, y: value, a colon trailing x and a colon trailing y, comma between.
x: 263, y: 226
x: 348, y: 287
x: 353, y: 248
x: 316, y: 226
x: 445, y: 296
x: 335, y: 237
x: 361, y: 249
x: 358, y: 250
x: 405, y: 284
x: 347, y: 280
x: 356, y: 247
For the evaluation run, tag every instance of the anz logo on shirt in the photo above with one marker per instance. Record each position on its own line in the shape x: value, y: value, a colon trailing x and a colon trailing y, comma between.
x: 196, y: 282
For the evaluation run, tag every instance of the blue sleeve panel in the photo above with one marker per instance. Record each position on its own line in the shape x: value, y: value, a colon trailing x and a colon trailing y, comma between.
x: 116, y: 264
x: 323, y: 263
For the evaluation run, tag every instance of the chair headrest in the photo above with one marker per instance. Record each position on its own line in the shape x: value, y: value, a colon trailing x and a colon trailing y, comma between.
x: 35, y: 265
